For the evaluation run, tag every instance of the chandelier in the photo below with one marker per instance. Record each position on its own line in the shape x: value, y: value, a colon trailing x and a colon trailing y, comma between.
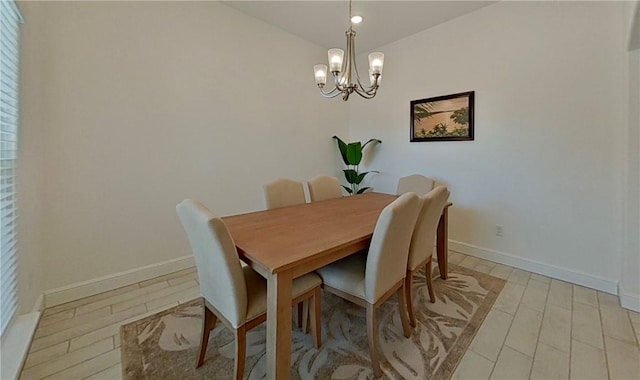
x: 345, y: 72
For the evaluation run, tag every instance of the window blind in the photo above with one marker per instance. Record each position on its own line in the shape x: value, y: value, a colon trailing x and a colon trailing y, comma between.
x: 10, y: 21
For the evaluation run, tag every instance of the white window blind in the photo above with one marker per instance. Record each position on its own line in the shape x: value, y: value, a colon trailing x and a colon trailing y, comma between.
x: 10, y: 21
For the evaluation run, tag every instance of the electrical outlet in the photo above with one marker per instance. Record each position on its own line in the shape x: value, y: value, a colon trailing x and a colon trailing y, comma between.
x: 498, y: 229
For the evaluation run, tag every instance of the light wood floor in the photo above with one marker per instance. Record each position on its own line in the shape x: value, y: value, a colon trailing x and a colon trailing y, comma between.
x: 538, y: 328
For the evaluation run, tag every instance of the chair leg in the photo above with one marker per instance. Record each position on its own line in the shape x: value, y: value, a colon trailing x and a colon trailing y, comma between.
x: 241, y: 350
x: 315, y: 317
x: 208, y: 323
x: 402, y: 306
x: 300, y: 314
x: 428, y: 271
x: 305, y: 315
x: 372, y: 332
x: 408, y: 289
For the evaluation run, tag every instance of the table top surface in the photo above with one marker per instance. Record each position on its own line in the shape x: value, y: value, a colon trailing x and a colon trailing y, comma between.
x: 279, y: 239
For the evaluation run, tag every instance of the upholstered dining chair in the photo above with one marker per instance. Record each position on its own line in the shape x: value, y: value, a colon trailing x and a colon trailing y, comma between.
x: 415, y: 183
x: 369, y: 279
x: 323, y: 187
x: 283, y: 192
x: 234, y: 294
x: 422, y: 242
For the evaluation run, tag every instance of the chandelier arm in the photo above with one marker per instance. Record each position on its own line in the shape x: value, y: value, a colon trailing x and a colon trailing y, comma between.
x: 352, y: 56
x: 364, y: 88
x: 330, y: 94
x: 370, y: 89
x: 338, y: 86
x: 374, y: 87
x: 365, y: 94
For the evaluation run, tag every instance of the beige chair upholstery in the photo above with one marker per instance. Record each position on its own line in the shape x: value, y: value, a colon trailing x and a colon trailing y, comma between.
x: 236, y: 295
x: 283, y: 193
x: 415, y: 183
x: 324, y: 187
x: 423, y: 241
x: 368, y: 279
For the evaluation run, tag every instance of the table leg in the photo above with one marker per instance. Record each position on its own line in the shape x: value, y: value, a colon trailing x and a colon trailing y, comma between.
x: 442, y: 246
x: 279, y: 325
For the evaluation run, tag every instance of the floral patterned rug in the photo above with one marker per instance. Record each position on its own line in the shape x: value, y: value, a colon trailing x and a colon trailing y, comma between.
x: 165, y: 345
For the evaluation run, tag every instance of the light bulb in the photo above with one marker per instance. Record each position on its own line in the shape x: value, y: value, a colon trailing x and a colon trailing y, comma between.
x: 335, y: 60
x: 320, y: 72
x: 376, y: 62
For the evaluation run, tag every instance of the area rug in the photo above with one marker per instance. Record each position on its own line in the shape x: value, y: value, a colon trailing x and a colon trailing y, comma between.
x: 165, y: 345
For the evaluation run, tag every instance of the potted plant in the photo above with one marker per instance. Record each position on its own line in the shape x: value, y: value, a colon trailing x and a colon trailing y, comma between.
x: 352, y: 155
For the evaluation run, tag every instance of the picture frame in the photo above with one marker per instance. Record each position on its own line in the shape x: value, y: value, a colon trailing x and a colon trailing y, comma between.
x: 443, y: 118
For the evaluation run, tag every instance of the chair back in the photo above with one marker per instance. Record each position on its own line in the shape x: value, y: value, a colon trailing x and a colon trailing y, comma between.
x: 324, y: 187
x: 283, y: 193
x: 424, y: 234
x: 415, y: 183
x: 220, y: 273
x: 389, y: 249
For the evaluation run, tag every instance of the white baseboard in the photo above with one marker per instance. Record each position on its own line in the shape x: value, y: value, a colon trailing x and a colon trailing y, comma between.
x: 559, y: 273
x: 102, y: 284
x: 88, y: 288
x: 39, y: 304
x: 15, y: 344
x: 628, y: 300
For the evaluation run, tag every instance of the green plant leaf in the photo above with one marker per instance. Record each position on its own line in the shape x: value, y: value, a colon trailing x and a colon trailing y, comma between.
x: 370, y: 141
x: 350, y: 175
x: 343, y: 149
x: 360, y: 177
x: 354, y: 153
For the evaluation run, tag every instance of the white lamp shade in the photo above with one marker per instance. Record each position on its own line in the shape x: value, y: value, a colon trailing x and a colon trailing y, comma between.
x: 376, y: 62
x: 336, y: 57
x: 320, y: 72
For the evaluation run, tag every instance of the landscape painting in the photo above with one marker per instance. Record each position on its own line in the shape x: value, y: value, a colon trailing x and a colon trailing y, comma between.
x: 443, y: 118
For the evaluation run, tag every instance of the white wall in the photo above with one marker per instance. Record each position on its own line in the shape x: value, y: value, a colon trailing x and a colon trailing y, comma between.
x: 546, y: 163
x: 634, y: 24
x: 148, y: 103
x: 630, y: 279
x: 31, y: 161
x: 109, y: 149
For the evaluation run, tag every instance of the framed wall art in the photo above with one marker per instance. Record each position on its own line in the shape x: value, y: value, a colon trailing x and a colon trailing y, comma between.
x: 443, y: 118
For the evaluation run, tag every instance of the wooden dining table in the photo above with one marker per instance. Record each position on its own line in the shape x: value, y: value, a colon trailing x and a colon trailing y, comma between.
x: 285, y: 243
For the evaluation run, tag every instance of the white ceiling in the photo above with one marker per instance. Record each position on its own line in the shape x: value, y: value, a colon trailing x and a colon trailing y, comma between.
x: 324, y: 22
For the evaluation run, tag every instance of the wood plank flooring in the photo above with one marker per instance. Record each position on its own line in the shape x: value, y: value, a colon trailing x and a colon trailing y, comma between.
x: 80, y: 339
x: 539, y: 328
